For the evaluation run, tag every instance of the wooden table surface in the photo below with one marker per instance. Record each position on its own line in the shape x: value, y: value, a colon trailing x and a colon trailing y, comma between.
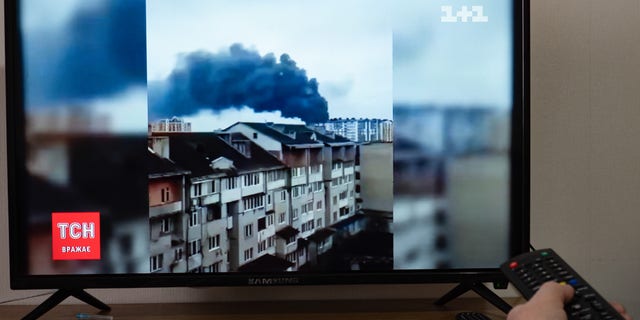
x: 277, y: 310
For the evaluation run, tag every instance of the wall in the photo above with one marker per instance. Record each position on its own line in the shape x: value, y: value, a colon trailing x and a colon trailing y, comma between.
x: 585, y: 147
x: 585, y: 159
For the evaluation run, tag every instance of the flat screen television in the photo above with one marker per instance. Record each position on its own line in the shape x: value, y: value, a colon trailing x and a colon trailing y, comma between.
x: 238, y: 143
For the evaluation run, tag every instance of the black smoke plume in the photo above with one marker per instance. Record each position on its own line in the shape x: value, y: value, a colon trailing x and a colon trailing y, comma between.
x: 234, y: 79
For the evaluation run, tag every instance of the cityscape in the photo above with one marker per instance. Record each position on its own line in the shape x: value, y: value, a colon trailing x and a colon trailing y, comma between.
x: 258, y: 196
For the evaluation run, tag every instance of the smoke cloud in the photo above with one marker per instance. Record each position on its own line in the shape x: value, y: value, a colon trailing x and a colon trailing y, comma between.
x: 237, y: 78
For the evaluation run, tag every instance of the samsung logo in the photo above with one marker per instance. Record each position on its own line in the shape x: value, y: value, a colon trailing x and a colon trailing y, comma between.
x: 273, y: 281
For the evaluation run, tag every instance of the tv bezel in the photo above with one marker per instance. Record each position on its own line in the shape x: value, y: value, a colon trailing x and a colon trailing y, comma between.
x: 15, y: 120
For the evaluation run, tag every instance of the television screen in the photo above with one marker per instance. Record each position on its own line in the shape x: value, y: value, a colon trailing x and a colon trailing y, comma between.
x: 164, y: 143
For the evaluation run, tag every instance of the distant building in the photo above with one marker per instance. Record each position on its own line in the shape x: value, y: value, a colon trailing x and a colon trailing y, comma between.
x: 361, y: 130
x: 174, y: 124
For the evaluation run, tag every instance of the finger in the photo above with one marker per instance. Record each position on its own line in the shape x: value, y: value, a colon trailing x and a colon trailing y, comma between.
x: 620, y: 308
x: 552, y: 291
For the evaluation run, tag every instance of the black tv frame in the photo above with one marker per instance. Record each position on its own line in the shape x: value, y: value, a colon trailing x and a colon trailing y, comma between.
x: 470, y: 278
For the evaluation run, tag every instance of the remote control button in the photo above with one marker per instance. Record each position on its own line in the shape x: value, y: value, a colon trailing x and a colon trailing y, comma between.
x: 513, y: 265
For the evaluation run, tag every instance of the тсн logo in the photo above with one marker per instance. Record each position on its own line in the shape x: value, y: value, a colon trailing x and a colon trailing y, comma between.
x: 75, y: 235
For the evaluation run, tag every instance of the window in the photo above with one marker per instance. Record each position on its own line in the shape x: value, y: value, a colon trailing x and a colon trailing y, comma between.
x: 281, y: 217
x: 271, y: 219
x: 269, y: 199
x: 214, y: 242
x: 230, y: 183
x: 165, y: 195
x: 297, y: 171
x: 271, y: 241
x: 283, y: 196
x: 255, y: 135
x: 214, y: 212
x: 197, y: 189
x: 262, y: 246
x: 316, y: 168
x: 179, y: 254
x: 166, y: 225
x: 296, y: 192
x: 262, y: 224
x: 156, y: 263
x: 209, y: 269
x: 343, y: 195
x: 251, y: 179
x: 248, y: 230
x: 308, y: 226
x: 319, y: 223
x: 248, y: 254
x: 335, y: 200
x: 319, y: 205
x: 336, y: 166
x: 193, y: 219
x: 317, y: 186
x: 308, y: 207
x: 275, y: 175
x: 292, y: 257
x: 195, y: 247
x: 294, y: 216
x: 253, y: 202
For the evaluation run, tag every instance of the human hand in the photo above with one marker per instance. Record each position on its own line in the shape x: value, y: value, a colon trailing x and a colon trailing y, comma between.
x: 620, y: 308
x: 548, y: 304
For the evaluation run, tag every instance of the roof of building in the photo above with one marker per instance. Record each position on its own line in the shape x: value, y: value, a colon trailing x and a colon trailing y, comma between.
x: 321, y: 235
x: 196, y: 151
x: 290, y: 138
x: 162, y: 167
x: 304, y: 131
x: 287, y: 232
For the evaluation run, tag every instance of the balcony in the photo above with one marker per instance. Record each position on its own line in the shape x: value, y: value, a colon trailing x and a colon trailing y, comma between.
x: 194, y: 261
x: 210, y: 199
x: 165, y: 209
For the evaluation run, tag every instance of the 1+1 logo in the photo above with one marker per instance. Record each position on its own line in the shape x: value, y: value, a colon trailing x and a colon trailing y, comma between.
x: 476, y: 14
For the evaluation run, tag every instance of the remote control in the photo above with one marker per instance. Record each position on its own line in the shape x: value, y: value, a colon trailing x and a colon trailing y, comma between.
x: 530, y: 270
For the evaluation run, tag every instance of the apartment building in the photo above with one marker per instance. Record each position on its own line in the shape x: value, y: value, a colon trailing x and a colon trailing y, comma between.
x: 167, y: 215
x: 231, y: 194
x: 361, y: 130
x: 322, y: 184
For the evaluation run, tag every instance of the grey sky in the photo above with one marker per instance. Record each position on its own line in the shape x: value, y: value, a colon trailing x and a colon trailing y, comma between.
x: 366, y: 55
x: 349, y: 47
x: 346, y: 45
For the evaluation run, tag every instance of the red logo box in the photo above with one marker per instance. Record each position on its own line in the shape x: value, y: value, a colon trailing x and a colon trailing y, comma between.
x: 75, y: 235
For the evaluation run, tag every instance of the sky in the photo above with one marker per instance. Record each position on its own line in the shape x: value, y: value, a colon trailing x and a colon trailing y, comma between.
x: 365, y: 55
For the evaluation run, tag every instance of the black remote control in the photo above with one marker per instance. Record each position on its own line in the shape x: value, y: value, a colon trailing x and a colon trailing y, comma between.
x: 530, y: 270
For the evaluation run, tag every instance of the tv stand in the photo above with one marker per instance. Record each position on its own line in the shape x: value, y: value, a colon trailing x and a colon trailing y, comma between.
x: 60, y: 296
x: 480, y: 289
